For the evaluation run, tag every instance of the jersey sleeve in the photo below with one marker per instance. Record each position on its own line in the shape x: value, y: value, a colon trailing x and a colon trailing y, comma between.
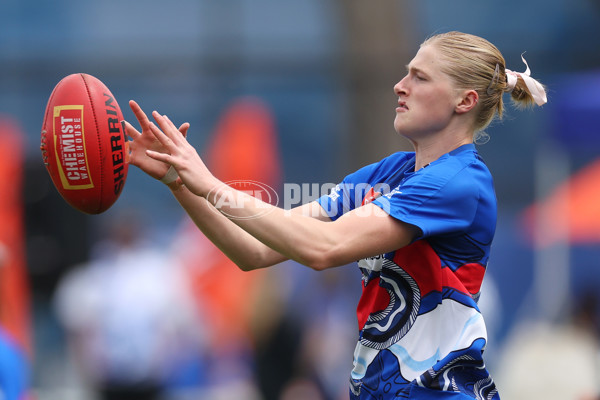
x: 348, y: 194
x: 439, y: 201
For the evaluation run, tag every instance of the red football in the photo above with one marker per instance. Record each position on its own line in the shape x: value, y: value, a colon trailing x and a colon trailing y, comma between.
x: 83, y: 143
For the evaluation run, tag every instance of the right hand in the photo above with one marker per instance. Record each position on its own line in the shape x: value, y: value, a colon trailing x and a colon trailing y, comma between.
x: 140, y: 142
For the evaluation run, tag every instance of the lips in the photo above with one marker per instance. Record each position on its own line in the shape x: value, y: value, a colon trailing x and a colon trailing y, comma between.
x: 402, y: 105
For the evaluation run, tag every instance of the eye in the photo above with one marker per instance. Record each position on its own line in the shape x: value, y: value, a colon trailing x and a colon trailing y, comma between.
x: 421, y: 78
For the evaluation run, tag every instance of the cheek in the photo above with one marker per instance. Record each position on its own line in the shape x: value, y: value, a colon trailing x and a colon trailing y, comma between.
x: 439, y: 104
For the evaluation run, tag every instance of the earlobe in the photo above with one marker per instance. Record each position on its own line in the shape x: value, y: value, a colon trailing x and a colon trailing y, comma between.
x: 467, y: 102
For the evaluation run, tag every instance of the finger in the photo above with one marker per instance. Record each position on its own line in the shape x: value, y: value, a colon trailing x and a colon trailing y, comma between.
x: 130, y: 130
x: 184, y: 129
x: 166, y: 158
x: 127, y: 151
x: 169, y: 122
x: 161, y: 137
x: 167, y: 127
x: 140, y: 115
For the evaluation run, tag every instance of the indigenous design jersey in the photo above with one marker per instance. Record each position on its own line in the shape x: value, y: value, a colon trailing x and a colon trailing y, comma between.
x: 421, y: 332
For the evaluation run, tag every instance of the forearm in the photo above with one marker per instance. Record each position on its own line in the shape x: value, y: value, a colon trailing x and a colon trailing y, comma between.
x: 302, y: 234
x: 243, y: 249
x: 307, y: 235
x: 252, y: 233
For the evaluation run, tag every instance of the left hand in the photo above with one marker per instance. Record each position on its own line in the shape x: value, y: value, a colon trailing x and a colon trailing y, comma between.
x: 145, y: 140
x: 182, y: 156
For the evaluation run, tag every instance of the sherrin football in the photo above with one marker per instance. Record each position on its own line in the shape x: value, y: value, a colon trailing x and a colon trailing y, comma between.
x: 83, y: 143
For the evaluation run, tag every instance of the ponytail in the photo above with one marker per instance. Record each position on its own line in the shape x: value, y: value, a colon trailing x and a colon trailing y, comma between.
x: 474, y: 63
x: 524, y: 90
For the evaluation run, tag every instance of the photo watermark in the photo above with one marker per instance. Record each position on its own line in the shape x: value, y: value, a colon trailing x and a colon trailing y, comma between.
x: 248, y: 199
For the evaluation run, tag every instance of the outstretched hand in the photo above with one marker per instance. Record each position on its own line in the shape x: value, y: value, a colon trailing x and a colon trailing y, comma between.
x: 145, y: 140
x: 175, y: 150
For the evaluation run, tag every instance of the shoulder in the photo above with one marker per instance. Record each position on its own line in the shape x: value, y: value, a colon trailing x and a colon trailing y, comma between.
x: 458, y: 174
x: 396, y: 160
x: 380, y: 170
x: 393, y: 163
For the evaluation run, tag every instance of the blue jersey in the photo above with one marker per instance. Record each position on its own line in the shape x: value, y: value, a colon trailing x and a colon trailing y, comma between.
x: 421, y: 332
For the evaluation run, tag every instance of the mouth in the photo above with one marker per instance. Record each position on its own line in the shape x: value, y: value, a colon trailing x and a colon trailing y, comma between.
x: 402, y: 106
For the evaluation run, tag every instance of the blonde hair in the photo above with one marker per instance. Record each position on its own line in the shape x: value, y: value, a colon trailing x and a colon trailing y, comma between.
x: 472, y: 62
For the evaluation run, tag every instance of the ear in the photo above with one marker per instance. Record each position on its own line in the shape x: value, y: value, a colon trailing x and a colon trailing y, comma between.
x: 467, y: 102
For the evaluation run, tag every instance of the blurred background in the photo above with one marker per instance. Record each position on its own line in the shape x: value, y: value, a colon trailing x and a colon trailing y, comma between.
x: 135, y: 304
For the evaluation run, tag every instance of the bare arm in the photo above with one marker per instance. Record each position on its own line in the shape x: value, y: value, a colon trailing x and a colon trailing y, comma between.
x: 238, y: 245
x: 363, y: 232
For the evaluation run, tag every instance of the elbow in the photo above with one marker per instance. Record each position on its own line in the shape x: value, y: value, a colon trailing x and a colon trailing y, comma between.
x: 245, y: 267
x: 256, y: 260
x: 319, y: 266
x: 246, y: 263
x: 321, y: 260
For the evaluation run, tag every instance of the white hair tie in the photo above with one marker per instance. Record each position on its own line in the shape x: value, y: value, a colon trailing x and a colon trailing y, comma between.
x: 535, y: 88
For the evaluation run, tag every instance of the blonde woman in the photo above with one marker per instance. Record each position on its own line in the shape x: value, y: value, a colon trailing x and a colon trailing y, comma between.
x: 421, y: 223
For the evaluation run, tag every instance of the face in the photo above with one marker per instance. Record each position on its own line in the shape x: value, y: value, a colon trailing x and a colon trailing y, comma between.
x: 426, y: 97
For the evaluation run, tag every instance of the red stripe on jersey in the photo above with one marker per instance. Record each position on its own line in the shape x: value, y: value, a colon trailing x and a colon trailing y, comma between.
x: 374, y: 298
x: 471, y: 276
x: 423, y: 264
x: 425, y: 267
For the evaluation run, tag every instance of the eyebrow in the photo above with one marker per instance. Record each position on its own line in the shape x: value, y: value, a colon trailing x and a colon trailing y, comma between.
x: 415, y: 69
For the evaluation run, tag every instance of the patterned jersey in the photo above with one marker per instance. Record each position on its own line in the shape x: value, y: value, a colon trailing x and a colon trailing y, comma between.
x: 421, y: 332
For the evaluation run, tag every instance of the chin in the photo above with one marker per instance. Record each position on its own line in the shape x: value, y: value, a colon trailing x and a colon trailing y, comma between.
x: 401, y: 130
x: 400, y: 125
x: 397, y: 126
x: 405, y: 133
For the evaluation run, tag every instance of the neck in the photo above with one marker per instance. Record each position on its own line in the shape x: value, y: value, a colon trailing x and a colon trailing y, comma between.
x: 430, y: 149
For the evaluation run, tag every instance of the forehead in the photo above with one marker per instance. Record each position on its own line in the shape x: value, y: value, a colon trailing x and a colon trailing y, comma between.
x: 427, y: 60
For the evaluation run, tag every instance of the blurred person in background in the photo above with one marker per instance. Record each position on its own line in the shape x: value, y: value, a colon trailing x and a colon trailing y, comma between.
x: 421, y: 223
x: 252, y: 332
x: 132, y: 327
x: 555, y: 360
x: 300, y: 352
x: 15, y: 324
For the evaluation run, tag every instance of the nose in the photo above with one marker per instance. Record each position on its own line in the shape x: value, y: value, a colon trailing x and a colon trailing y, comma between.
x: 400, y: 88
